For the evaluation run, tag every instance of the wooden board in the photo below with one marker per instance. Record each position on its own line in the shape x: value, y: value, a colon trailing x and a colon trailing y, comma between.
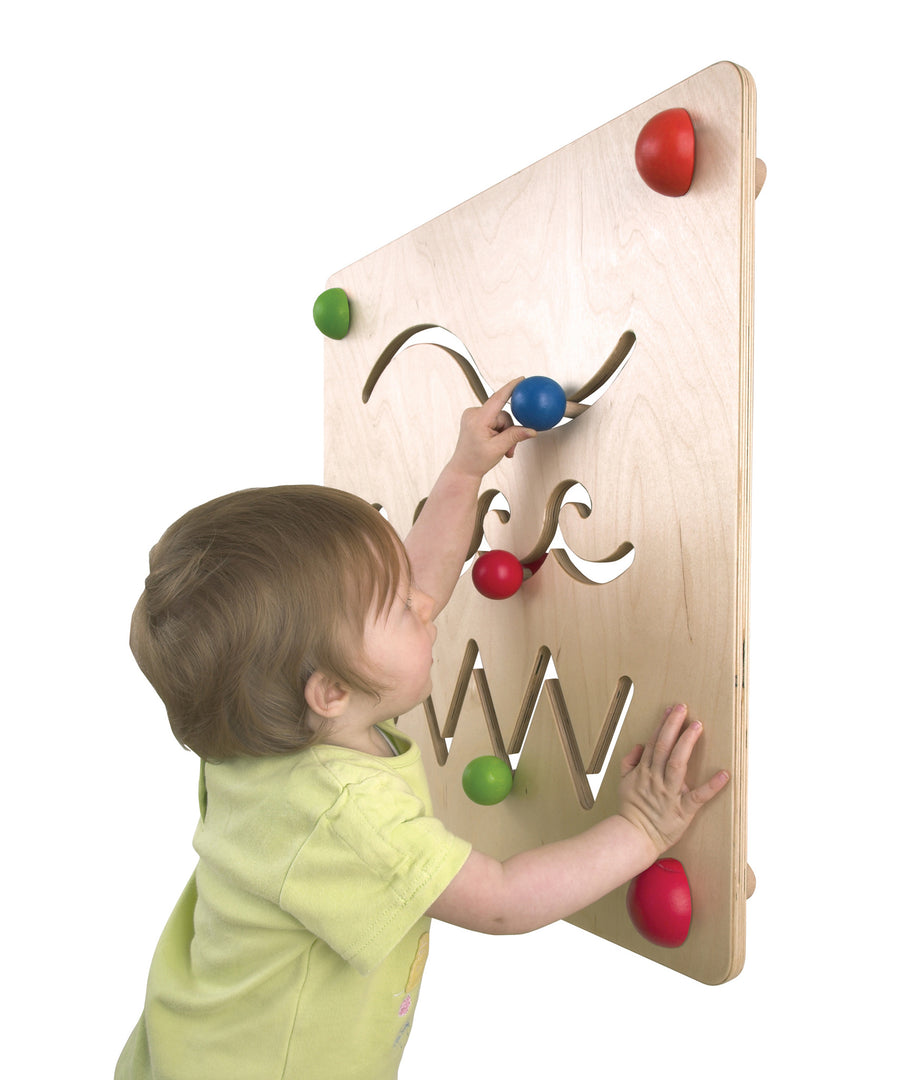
x: 571, y: 267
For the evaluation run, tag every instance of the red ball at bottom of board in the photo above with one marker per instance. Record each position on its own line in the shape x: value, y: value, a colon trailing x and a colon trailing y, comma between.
x: 659, y: 903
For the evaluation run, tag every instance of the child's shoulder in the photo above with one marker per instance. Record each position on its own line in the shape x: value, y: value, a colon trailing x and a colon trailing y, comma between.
x: 346, y: 766
x: 316, y: 775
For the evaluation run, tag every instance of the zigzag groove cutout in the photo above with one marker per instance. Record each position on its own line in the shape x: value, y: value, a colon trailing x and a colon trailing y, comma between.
x: 538, y: 681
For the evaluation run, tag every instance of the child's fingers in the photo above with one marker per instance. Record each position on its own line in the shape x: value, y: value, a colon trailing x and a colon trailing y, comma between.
x: 508, y: 440
x: 703, y: 794
x: 496, y: 402
x: 502, y: 422
x: 632, y: 759
x: 677, y: 764
x: 667, y: 736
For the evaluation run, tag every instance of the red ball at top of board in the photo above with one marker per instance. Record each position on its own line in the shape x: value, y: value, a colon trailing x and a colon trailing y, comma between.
x: 497, y: 574
x: 664, y: 152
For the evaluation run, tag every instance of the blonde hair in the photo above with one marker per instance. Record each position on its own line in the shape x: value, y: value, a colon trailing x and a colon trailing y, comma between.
x: 247, y: 596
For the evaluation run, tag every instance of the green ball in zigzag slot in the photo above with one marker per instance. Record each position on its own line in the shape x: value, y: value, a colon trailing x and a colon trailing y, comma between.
x: 331, y: 313
x: 487, y: 780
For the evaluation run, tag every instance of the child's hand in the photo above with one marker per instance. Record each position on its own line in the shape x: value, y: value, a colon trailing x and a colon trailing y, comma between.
x: 487, y: 435
x: 653, y: 795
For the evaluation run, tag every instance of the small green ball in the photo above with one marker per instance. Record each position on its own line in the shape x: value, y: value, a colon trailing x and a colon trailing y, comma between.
x: 487, y: 780
x: 331, y: 313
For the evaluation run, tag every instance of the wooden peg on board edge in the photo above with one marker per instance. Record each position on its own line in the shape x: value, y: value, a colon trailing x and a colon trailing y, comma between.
x: 760, y: 175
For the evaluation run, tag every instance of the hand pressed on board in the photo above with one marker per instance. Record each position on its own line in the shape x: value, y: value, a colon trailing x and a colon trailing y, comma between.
x: 653, y: 794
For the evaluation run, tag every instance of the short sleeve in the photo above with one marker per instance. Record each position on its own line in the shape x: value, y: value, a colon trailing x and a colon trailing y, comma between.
x: 370, y: 869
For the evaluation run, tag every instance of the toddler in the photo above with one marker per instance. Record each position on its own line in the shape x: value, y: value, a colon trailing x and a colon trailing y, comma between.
x: 284, y: 629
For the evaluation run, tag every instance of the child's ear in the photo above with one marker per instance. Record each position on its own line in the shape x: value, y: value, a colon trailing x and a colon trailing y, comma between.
x: 325, y: 697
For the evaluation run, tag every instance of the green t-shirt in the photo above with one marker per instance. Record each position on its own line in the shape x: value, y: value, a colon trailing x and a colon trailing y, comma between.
x: 297, y: 947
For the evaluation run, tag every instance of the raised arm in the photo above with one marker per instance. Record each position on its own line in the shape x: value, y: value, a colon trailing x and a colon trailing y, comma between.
x: 539, y: 886
x: 439, y: 540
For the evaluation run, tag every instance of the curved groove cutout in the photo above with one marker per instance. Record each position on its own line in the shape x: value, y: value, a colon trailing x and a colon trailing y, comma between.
x: 608, y: 372
x: 543, y: 676
x: 430, y: 334
x: 551, y: 539
x: 433, y: 334
x: 586, y: 571
x: 491, y: 499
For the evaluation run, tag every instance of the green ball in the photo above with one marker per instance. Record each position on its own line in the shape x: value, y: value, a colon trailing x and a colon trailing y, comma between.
x: 487, y: 780
x: 331, y: 313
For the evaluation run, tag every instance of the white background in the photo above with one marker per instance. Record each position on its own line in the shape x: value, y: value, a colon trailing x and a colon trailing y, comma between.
x: 178, y: 180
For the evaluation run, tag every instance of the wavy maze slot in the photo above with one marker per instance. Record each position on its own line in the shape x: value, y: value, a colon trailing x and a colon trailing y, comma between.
x: 551, y: 538
x: 432, y: 334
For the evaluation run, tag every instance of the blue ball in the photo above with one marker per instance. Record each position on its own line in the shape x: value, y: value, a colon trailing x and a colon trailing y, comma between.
x: 538, y: 403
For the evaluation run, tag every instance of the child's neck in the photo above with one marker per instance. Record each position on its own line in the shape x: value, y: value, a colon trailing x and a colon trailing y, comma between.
x: 368, y: 741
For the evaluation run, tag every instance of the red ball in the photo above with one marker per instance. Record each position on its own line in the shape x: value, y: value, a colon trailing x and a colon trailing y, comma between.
x: 659, y: 903
x: 664, y: 152
x: 497, y: 574
x: 533, y: 567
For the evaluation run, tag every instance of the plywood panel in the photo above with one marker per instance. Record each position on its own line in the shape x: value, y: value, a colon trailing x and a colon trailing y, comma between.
x: 549, y: 272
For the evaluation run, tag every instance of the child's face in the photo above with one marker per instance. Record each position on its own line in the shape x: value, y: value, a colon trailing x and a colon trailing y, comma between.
x: 397, y: 645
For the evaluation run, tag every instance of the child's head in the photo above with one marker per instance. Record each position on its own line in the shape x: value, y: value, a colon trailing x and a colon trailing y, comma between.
x: 247, y: 596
